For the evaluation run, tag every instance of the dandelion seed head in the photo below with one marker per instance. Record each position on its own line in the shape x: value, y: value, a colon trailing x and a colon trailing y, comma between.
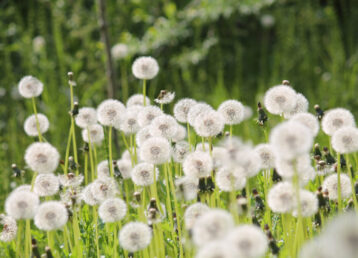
x: 70, y: 180
x: 187, y: 188
x: 180, y: 134
x: 110, y: 112
x: 166, y: 98
x: 95, y: 133
x: 345, y: 140
x: 42, y: 157
x: 88, y: 197
x: 129, y: 122
x: 220, y: 156
x: 142, y: 174
x: 104, y: 188
x: 112, y: 210
x: 22, y: 204
x: 217, y: 249
x: 331, y: 185
x: 232, y: 111
x: 145, y: 68
x: 137, y: 100
x: 125, y: 167
x: 209, y: 124
x: 180, y: 151
x: 164, y: 126
x: 281, y: 198
x: 308, y: 120
x: 196, y: 110
x: 135, y: 236
x: 300, y: 107
x: 155, y: 150
x: 86, y: 116
x: 126, y: 155
x: 266, y: 155
x: 247, y: 112
x: 335, y: 119
x: 103, y: 169
x: 30, y: 87
x: 9, y: 228
x: 143, y: 135
x: 147, y: 114
x: 181, y: 109
x: 250, y: 161
x: 309, y: 204
x: 30, y: 125
x: 119, y: 51
x: 317, y: 248
x: 193, y: 213
x: 51, y: 215
x: 280, y: 99
x: 198, y: 164
x: 46, y: 185
x: 230, y: 179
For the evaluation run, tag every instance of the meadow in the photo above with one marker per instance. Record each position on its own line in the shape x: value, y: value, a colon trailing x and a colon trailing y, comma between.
x: 178, y: 129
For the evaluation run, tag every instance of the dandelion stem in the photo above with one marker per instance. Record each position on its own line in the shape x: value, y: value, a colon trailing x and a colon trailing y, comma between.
x: 110, y: 162
x: 339, y: 181
x: 144, y: 92
x: 36, y: 118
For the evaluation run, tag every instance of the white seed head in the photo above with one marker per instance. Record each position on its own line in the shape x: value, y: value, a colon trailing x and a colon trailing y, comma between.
x: 119, y: 51
x: 30, y: 87
x: 135, y: 236
x: 181, y: 109
x: 86, y: 116
x: 318, y: 248
x: 20, y: 188
x: 164, y: 126
x: 196, y: 110
x: 291, y: 139
x: 335, y: 119
x: 46, y: 185
x: 93, y: 133
x: 143, y: 135
x: 51, y: 215
x: 230, y: 179
x: 137, y: 100
x: 110, y: 112
x: 70, y: 180
x: 250, y: 241
x: 331, y: 185
x: 300, y: 107
x: 309, y: 204
x: 187, y: 188
x: 280, y: 99
x: 250, y: 161
x: 281, y: 198
x: 209, y: 124
x: 180, y: 134
x: 180, y: 151
x: 193, y: 213
x: 143, y: 174
x: 220, y: 157
x: 232, y: 111
x: 308, y: 120
x: 104, y: 188
x: 129, y: 122
x: 112, y: 210
x: 155, y: 150
x: 145, y: 68
x: 147, y: 114
x: 213, y: 225
x: 103, y: 169
x: 247, y: 112
x: 198, y: 164
x: 125, y: 168
x: 22, y: 204
x: 126, y: 155
x: 30, y: 125
x: 42, y: 157
x: 88, y: 197
x: 217, y: 249
x: 167, y: 98
x: 266, y: 155
x: 345, y: 140
x: 9, y: 228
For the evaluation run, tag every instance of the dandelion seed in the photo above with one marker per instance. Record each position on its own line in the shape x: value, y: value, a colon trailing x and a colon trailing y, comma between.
x: 22, y: 204
x: 266, y: 154
x: 147, y: 114
x: 300, y: 107
x: 120, y: 51
x: 30, y: 87
x: 209, y: 124
x: 112, y: 210
x: 86, y: 116
x: 308, y: 120
x: 137, y: 100
x: 165, y: 97
x: 232, y: 111
x: 30, y: 125
x: 9, y: 228
x: 281, y: 198
x: 335, y: 119
x: 345, y: 140
x: 51, y: 215
x: 135, y: 236
x: 96, y: 134
x: 217, y: 249
x: 331, y: 185
x: 230, y: 179
x: 110, y: 112
x: 193, y: 213
x: 155, y: 150
x: 142, y: 174
x: 309, y: 204
x: 145, y: 68
x: 42, y: 157
x: 181, y: 109
x: 164, y: 126
x: 198, y: 164
x: 46, y: 185
x: 280, y: 99
x: 196, y: 110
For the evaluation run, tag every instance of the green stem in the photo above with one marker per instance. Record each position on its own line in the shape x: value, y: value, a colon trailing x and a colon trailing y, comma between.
x: 110, y: 151
x: 36, y: 118
x: 144, y: 93
x: 339, y: 182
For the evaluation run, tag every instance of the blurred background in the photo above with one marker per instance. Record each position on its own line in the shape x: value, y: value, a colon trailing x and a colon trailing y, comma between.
x: 209, y: 50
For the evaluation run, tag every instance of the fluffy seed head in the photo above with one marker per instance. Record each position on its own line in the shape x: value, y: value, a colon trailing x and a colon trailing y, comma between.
x: 147, y: 114
x: 30, y: 125
x: 95, y: 133
x: 193, y: 212
x: 280, y: 99
x: 180, y: 151
x: 104, y: 188
x: 142, y: 174
x: 209, y: 124
x: 30, y: 86
x: 9, y: 228
x: 249, y: 160
x: 232, y: 111
x: 22, y: 204
x: 145, y: 68
x: 281, y: 198
x: 217, y: 249
x: 42, y: 157
x: 181, y: 109
x: 103, y: 169
x: 331, y: 185
x: 345, y: 140
x: 46, y: 185
x: 119, y: 51
x: 155, y: 150
x: 137, y: 100
x: 220, y: 157
x: 88, y: 197
x: 309, y: 204
x: 112, y: 210
x: 135, y: 236
x: 51, y: 215
x: 247, y: 112
x: 198, y: 164
x: 196, y: 110
x: 165, y: 98
x: 70, y: 180
x: 129, y: 122
x: 301, y: 106
x: 110, y: 112
x: 335, y: 119
x: 187, y: 188
x: 180, y: 134
x: 266, y: 154
x: 143, y: 135
x: 125, y: 167
x: 86, y: 116
x: 163, y: 126
x: 230, y: 179
x: 308, y: 120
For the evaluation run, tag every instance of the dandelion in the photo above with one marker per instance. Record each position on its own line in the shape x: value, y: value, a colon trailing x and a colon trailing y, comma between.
x: 125, y: 167
x: 46, y: 185
x: 164, y: 126
x: 147, y: 114
x: 110, y: 112
x: 119, y: 51
x: 196, y: 110
x: 70, y: 180
x: 230, y: 179
x: 30, y: 87
x: 42, y: 157
x: 335, y: 119
x: 308, y: 120
x: 249, y: 160
x: 165, y: 97
x: 22, y: 204
x: 142, y: 174
x: 103, y: 169
x: 220, y: 156
x: 145, y: 68
x: 180, y: 151
x: 280, y: 99
x: 250, y: 241
x: 247, y: 112
x: 30, y: 125
x: 291, y: 139
x: 9, y: 228
x: 187, y: 188
x: 143, y: 135
x: 217, y: 249
x: 180, y: 134
x: 309, y: 204
x: 181, y: 109
x: 112, y: 210
x: 88, y: 197
x: 232, y: 111
x: 135, y: 236
x: 20, y: 188
x: 331, y: 185
x: 95, y: 132
x: 193, y: 213
x: 126, y: 155
x: 266, y: 154
x: 209, y: 124
x: 345, y: 140
x: 300, y: 107
x: 318, y: 248
x: 129, y: 122
x: 203, y: 147
x: 137, y: 100
x: 198, y: 164
x: 51, y: 215
x: 213, y: 225
x: 104, y: 188
x: 281, y: 198
x: 86, y: 116
x: 155, y: 150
